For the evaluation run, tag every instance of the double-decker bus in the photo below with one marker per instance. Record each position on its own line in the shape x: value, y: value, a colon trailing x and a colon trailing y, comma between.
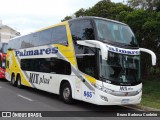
x: 3, y: 50
x: 91, y: 59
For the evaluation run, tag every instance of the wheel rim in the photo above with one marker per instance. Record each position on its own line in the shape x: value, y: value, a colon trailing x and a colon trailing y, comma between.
x: 66, y: 93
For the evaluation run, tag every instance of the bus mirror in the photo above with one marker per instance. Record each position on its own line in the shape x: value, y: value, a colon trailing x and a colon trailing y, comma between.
x: 96, y: 44
x: 153, y: 56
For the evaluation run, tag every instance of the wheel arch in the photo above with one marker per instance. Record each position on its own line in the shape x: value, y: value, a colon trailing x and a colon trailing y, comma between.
x: 13, y: 74
x: 17, y: 75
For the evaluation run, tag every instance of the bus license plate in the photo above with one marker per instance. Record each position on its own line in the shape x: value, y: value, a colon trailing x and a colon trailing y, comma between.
x: 125, y: 101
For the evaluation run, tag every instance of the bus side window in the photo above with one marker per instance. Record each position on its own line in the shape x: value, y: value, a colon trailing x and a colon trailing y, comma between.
x: 86, y: 57
x: 45, y: 37
x: 46, y: 65
x: 34, y: 39
x: 82, y: 30
x: 59, y: 66
x: 59, y: 35
x: 86, y: 61
x: 27, y: 41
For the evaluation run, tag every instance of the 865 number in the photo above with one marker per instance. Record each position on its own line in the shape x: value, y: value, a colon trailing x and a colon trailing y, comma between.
x: 87, y: 94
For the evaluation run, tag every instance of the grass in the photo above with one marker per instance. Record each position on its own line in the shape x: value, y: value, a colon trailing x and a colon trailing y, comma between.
x: 151, y: 93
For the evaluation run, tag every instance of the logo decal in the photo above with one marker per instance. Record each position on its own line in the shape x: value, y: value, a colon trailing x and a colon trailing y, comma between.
x: 123, y: 51
x: 36, y: 52
x: 125, y: 88
x: 36, y: 79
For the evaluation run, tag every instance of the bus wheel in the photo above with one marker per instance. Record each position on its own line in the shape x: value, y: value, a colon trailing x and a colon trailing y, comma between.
x: 66, y: 93
x: 19, y: 82
x: 13, y: 80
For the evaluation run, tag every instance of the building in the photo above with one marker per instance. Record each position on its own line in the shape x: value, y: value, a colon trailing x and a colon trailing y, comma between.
x: 6, y: 32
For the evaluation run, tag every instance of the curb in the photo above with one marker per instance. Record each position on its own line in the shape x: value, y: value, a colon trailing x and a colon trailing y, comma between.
x: 143, y: 108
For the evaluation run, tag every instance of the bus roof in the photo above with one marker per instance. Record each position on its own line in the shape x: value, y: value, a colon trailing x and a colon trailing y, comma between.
x: 94, y: 17
x: 74, y: 19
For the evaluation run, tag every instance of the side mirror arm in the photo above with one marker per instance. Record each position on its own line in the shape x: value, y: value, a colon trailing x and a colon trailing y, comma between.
x: 153, y: 56
x: 96, y: 44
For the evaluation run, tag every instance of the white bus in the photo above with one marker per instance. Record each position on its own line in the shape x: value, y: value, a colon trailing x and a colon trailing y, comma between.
x: 92, y: 59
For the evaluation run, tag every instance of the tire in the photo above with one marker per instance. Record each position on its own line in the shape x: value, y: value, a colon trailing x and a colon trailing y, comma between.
x: 18, y: 81
x: 13, y: 82
x: 66, y: 93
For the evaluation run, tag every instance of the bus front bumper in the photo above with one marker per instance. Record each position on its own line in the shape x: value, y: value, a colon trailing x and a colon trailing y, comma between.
x: 103, y: 98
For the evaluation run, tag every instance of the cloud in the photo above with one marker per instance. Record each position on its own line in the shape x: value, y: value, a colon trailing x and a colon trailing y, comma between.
x: 26, y: 24
x: 29, y: 15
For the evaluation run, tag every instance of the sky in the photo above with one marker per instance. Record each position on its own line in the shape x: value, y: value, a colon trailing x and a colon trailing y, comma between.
x: 27, y: 16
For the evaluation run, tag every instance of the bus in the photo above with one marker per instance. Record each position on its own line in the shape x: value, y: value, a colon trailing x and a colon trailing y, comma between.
x: 90, y: 59
x: 3, y: 50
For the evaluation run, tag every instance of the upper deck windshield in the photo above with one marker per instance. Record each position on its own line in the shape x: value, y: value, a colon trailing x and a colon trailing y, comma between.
x: 115, y: 32
x: 121, y: 69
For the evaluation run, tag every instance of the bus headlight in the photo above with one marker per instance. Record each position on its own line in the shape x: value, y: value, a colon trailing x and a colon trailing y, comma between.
x: 140, y: 90
x: 104, y: 98
x: 106, y: 90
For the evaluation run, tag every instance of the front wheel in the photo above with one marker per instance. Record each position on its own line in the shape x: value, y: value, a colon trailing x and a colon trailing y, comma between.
x: 66, y: 93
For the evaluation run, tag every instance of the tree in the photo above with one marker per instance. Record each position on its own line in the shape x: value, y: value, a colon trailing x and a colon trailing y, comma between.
x: 66, y: 18
x: 143, y: 18
x: 137, y: 3
x: 104, y: 8
x: 80, y: 12
x: 145, y: 4
x: 145, y: 25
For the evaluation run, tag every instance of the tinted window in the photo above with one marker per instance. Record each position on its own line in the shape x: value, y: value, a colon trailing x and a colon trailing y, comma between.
x: 22, y: 43
x: 45, y: 37
x: 10, y: 44
x: 18, y: 44
x: 59, y: 35
x: 27, y: 41
x: 15, y: 46
x: 15, y: 43
x: 115, y: 32
x: 46, y: 65
x: 55, y: 35
x: 86, y: 60
x: 86, y: 57
x: 82, y: 30
x: 35, y: 39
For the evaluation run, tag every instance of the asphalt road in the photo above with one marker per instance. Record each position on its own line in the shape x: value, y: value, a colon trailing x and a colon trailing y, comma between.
x: 29, y: 99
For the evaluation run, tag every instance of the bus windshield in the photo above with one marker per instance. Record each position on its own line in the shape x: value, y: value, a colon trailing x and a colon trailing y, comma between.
x: 115, y: 32
x: 120, y: 68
